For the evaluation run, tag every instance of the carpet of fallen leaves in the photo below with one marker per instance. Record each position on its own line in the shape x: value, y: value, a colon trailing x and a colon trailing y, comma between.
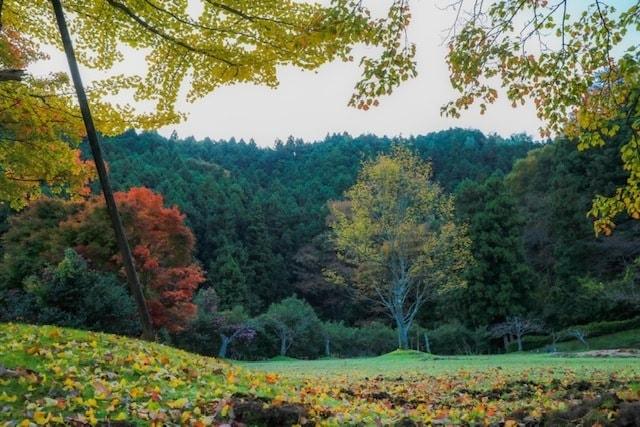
x: 57, y: 376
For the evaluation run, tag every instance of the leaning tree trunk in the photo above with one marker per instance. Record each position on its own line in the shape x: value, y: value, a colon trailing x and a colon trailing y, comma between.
x: 132, y: 276
x: 327, y: 347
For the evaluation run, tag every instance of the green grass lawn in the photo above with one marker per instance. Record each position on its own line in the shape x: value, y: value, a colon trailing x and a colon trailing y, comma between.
x: 414, y: 363
x: 58, y: 376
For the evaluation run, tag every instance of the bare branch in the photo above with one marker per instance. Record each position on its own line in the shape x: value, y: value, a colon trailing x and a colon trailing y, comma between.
x: 15, y: 75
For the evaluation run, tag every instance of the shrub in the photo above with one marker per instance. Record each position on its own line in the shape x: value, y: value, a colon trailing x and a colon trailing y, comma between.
x: 597, y: 329
x: 339, y: 340
x: 296, y: 326
x: 455, y: 338
x: 70, y: 294
x: 375, y: 338
x: 531, y: 342
x: 17, y: 305
x: 108, y: 307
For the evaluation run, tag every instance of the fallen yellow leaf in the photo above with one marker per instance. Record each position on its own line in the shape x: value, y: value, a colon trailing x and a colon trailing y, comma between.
x: 41, y: 418
x: 177, y: 404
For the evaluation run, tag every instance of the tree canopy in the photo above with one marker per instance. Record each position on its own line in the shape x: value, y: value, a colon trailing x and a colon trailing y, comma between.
x: 399, y: 229
x: 217, y: 43
x: 580, y: 68
x: 40, y: 130
x: 289, y: 319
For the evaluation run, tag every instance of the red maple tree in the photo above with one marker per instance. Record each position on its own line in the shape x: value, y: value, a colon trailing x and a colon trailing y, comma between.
x: 162, y: 246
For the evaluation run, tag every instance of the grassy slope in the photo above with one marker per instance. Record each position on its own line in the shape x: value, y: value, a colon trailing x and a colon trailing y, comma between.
x: 625, y: 339
x: 86, y: 377
x: 65, y: 375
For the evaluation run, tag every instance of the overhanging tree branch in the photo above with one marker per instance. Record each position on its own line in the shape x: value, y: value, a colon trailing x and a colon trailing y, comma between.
x: 127, y: 11
x: 15, y: 75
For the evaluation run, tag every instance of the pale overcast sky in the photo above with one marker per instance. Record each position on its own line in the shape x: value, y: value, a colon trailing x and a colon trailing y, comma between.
x: 310, y: 105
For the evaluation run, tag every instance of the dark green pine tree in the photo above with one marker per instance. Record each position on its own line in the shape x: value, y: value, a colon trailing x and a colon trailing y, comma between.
x: 499, y: 282
x: 226, y: 276
x: 266, y: 272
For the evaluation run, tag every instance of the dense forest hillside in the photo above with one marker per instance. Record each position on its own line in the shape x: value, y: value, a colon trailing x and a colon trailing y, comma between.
x: 259, y: 234
x: 253, y: 209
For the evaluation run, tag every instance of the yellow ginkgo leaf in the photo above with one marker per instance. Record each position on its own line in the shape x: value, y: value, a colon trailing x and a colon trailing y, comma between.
x: 4, y: 397
x: 41, y: 418
x: 136, y: 392
x: 178, y: 404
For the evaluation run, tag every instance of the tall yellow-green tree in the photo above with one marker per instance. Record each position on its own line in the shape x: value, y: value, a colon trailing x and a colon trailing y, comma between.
x: 397, y: 227
x: 578, y: 62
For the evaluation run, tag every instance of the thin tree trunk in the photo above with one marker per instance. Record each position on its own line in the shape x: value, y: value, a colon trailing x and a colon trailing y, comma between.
x: 129, y: 266
x: 224, y: 346
x: 283, y: 346
x: 519, y: 338
x: 327, y: 347
x: 427, y: 344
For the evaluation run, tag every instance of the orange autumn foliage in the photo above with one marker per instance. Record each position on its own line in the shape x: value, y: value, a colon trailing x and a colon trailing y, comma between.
x: 162, y: 246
